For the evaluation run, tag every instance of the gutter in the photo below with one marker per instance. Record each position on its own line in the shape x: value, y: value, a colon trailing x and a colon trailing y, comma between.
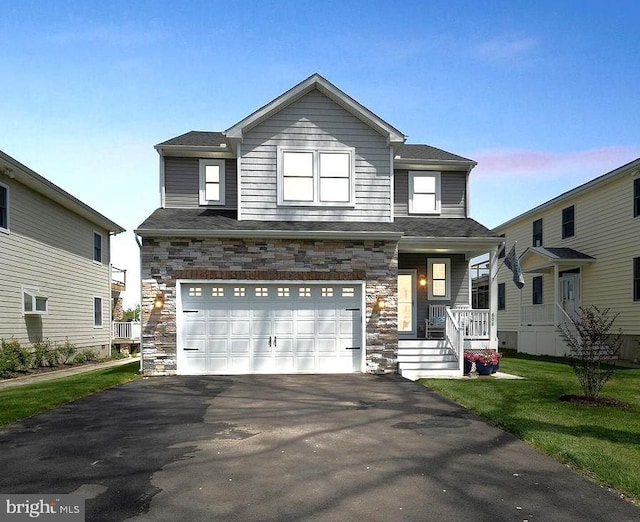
x: 273, y: 234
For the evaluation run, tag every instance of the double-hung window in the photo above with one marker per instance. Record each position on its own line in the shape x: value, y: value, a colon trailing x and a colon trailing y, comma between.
x: 97, y: 312
x: 212, y: 182
x: 316, y: 177
x: 636, y: 197
x: 439, y: 278
x: 424, y: 192
x: 537, y: 233
x: 636, y: 278
x: 4, y: 207
x: 568, y: 222
x: 97, y: 247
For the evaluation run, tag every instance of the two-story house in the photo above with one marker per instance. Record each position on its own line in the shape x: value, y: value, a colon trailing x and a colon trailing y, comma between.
x: 309, y: 237
x: 55, y: 277
x: 581, y: 248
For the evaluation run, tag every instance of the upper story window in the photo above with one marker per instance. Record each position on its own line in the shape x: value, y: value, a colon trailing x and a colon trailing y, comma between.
x: 636, y: 197
x: 211, y: 182
x: 316, y: 177
x: 439, y: 277
x: 568, y: 222
x: 536, y: 285
x: 97, y: 247
x: 4, y: 207
x: 424, y: 192
x: 537, y: 233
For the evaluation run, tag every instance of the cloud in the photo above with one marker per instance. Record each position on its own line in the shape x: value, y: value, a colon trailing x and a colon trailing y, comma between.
x: 503, y: 49
x: 500, y: 162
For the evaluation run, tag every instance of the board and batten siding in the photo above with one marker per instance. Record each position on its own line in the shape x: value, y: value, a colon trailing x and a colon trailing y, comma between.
x: 605, y: 229
x: 182, y: 183
x: 51, y: 248
x: 316, y: 122
x: 453, y: 188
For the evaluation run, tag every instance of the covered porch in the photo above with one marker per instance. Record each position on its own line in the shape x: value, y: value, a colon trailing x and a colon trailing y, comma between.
x: 436, y: 320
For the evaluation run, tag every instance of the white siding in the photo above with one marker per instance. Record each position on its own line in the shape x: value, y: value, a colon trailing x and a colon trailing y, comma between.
x: 315, y: 121
x: 51, y: 248
x: 605, y: 229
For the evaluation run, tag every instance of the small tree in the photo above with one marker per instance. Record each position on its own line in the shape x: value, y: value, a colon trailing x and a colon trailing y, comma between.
x: 593, y: 348
x: 132, y: 314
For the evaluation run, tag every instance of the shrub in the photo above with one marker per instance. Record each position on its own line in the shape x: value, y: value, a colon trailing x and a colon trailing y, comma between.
x: 593, y: 349
x: 39, y: 355
x: 66, y: 351
x: 86, y: 355
x: 13, y: 357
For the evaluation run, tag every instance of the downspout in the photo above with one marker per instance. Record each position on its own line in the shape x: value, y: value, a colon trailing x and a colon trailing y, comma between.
x: 140, y: 370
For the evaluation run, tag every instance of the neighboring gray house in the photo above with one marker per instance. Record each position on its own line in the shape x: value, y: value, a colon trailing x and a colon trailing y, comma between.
x: 309, y: 237
x: 55, y: 280
x: 580, y: 248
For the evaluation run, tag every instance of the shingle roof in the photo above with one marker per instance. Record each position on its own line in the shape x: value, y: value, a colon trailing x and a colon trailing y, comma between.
x: 426, y: 152
x: 197, y: 219
x: 197, y: 139
x: 561, y: 253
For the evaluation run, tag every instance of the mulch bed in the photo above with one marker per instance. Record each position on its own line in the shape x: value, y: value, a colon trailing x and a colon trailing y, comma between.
x: 599, y: 401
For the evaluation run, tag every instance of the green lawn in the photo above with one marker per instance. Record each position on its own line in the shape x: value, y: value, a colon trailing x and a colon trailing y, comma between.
x: 602, y: 442
x: 27, y: 400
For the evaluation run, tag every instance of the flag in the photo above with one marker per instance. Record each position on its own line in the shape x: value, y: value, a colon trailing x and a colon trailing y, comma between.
x: 513, y: 263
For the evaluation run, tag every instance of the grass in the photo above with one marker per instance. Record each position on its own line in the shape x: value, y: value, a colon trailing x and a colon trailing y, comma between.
x: 602, y: 442
x: 30, y: 399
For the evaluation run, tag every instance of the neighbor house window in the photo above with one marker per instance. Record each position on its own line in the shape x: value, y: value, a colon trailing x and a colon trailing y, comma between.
x: 97, y: 311
x: 636, y: 278
x: 97, y: 247
x: 315, y: 177
x: 568, y: 222
x: 33, y: 302
x: 502, y: 297
x: 636, y: 197
x: 537, y: 233
x: 439, y: 278
x: 536, y: 286
x: 424, y: 192
x: 212, y: 182
x: 4, y: 207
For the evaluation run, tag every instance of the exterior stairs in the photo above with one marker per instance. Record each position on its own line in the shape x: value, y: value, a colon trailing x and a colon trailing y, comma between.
x: 418, y: 358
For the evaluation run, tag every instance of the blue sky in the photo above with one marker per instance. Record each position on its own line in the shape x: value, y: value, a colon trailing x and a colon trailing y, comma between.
x: 545, y: 95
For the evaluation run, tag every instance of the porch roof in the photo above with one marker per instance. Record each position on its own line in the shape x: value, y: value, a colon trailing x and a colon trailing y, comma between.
x: 544, y: 259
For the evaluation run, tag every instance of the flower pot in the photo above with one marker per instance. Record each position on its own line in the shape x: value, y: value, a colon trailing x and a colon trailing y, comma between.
x: 467, y: 366
x: 483, y: 368
x: 495, y: 367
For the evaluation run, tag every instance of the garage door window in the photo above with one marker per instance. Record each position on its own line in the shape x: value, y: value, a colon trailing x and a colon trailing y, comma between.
x: 326, y: 291
x: 217, y: 292
x: 283, y: 291
x: 304, y: 291
x: 195, y: 291
x: 348, y: 292
x: 262, y: 291
x: 239, y: 291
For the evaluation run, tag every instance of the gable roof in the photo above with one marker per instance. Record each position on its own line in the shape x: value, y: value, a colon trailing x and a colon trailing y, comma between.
x: 589, y: 185
x: 24, y: 175
x: 540, y: 259
x: 315, y: 81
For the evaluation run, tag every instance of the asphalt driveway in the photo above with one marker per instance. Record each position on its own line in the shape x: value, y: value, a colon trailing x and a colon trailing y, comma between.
x: 354, y: 447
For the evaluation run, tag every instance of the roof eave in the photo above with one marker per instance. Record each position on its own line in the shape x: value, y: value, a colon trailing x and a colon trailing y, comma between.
x: 410, y: 163
x: 195, y: 151
x: 467, y: 245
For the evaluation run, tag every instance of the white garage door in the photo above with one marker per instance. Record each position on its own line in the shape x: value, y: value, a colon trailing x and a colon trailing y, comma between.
x: 234, y: 328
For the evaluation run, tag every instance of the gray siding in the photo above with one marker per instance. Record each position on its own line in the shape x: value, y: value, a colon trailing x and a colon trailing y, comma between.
x: 452, y: 193
x: 181, y: 178
x: 315, y: 121
x: 51, y: 248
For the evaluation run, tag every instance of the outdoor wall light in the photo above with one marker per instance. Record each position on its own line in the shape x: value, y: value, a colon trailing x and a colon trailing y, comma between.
x: 422, y: 280
x: 158, y: 302
x: 380, y: 303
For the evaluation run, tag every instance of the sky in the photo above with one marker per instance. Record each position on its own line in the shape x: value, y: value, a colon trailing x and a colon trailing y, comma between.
x: 544, y: 95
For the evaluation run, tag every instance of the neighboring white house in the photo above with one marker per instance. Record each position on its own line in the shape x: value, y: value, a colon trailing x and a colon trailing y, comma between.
x: 581, y: 248
x: 55, y: 277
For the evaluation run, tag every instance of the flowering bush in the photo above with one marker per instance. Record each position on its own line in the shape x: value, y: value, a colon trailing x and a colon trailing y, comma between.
x: 470, y: 356
x: 488, y: 357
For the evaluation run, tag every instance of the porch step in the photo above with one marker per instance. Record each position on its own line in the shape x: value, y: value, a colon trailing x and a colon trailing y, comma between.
x: 427, y: 358
x: 414, y: 375
x: 440, y: 365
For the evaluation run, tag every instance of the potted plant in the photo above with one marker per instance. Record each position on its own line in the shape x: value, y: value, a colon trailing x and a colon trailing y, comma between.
x: 469, y: 359
x: 486, y: 361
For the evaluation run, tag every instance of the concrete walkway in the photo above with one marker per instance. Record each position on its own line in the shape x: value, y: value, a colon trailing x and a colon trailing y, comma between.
x: 66, y: 372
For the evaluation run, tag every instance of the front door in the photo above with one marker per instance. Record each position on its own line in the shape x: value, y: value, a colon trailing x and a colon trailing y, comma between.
x: 570, y: 294
x: 406, y: 303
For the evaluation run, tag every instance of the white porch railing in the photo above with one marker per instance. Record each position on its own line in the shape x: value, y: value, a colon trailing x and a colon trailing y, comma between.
x: 454, y: 335
x: 126, y: 330
x: 542, y: 314
x: 473, y: 323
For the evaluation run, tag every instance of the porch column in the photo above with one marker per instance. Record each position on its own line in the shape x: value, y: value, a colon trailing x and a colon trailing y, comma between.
x: 493, y: 298
x: 556, y: 294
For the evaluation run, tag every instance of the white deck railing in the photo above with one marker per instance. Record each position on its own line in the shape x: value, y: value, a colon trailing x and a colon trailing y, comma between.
x: 126, y: 330
x: 537, y: 315
x: 454, y: 335
x: 474, y: 324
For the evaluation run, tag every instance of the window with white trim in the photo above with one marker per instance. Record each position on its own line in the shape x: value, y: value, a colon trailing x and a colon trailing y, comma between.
x: 33, y: 302
x: 97, y: 247
x: 97, y: 312
x: 316, y: 177
x: 424, y: 192
x: 439, y: 277
x: 4, y: 207
x: 212, y: 181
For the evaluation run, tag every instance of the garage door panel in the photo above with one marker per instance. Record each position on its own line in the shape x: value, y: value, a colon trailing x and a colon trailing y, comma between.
x: 309, y: 326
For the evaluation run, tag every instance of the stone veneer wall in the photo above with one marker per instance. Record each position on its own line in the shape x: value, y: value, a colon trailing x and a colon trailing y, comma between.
x: 166, y: 259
